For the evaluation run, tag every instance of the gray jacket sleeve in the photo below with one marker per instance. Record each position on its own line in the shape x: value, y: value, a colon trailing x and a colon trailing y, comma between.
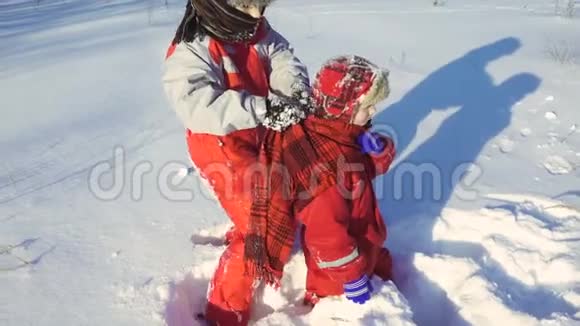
x: 286, y: 70
x: 196, y: 89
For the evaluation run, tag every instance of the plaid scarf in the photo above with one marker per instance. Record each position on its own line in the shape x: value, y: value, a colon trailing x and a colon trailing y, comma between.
x: 296, y: 165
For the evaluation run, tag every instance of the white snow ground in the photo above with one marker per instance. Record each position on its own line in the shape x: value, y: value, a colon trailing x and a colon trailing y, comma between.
x: 474, y: 81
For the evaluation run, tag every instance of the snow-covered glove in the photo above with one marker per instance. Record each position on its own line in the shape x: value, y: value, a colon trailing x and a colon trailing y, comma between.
x: 284, y: 111
x: 371, y: 143
x: 358, y: 291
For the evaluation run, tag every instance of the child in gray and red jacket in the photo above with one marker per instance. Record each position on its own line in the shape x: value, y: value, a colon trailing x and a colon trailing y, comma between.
x: 224, y: 61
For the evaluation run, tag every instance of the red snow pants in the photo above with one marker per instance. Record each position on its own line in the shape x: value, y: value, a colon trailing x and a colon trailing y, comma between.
x: 225, y: 162
x: 343, y: 239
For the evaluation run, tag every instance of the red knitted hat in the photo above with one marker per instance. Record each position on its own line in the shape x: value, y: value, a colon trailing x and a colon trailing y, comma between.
x: 346, y: 83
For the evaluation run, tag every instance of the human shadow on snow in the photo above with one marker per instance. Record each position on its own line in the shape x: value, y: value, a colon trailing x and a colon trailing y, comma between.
x: 422, y: 182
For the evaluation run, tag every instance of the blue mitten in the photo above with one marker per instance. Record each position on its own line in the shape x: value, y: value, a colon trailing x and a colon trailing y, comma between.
x: 358, y: 291
x: 371, y: 143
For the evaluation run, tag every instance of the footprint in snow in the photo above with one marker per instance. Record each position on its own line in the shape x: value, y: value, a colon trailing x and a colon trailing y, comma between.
x: 551, y: 116
x: 557, y: 165
x: 525, y: 132
x: 506, y: 145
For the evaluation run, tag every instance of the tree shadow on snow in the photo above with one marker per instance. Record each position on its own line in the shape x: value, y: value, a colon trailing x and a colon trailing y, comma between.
x: 422, y: 182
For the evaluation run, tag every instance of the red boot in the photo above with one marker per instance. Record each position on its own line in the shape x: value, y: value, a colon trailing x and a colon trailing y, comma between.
x: 216, y: 316
x: 310, y: 299
x: 384, y: 265
x: 230, y: 290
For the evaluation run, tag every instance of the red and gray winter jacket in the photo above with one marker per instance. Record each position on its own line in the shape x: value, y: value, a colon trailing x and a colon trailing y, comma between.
x: 219, y: 92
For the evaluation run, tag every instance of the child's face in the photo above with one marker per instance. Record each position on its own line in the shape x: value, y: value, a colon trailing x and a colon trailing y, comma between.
x: 363, y: 115
x: 253, y: 11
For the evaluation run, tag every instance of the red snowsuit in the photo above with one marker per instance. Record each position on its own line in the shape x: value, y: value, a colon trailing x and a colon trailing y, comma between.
x: 344, y: 232
x: 218, y: 91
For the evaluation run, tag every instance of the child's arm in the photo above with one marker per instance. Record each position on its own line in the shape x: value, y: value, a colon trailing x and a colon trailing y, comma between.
x: 326, y: 219
x: 195, y: 86
x: 287, y: 72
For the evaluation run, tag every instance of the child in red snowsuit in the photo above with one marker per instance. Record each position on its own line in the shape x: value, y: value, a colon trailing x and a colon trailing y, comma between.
x: 343, y: 231
x: 220, y: 68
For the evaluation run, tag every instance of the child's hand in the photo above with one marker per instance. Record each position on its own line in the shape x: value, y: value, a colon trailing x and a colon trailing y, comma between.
x: 358, y: 291
x: 371, y: 143
x: 284, y: 111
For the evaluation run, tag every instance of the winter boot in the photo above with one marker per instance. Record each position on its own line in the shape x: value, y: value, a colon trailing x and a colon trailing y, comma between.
x: 384, y: 266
